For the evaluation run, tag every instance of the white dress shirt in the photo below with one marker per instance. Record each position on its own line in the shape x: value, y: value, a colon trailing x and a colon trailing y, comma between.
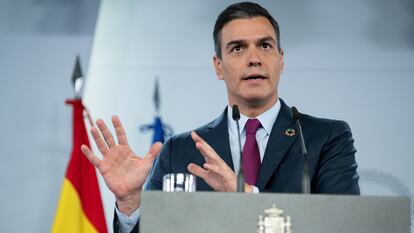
x: 267, y: 119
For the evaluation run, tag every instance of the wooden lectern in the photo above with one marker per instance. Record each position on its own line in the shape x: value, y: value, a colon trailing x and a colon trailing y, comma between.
x: 212, y: 212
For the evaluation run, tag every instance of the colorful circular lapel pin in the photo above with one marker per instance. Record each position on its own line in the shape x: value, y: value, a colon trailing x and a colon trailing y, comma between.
x: 290, y: 132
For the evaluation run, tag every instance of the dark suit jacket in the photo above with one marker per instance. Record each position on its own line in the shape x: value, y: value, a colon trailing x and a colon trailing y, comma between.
x: 331, y: 155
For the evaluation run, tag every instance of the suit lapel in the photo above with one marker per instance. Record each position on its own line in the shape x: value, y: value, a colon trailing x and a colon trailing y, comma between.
x: 217, y: 136
x: 277, y: 146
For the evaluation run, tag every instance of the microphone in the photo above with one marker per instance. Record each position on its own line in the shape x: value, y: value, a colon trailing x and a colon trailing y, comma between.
x: 240, y: 175
x: 305, y: 178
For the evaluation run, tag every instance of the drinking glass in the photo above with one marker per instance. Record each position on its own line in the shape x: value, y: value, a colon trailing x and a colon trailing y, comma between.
x: 179, y: 182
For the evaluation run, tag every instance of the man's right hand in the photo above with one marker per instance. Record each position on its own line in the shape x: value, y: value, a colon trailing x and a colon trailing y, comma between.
x: 123, y: 171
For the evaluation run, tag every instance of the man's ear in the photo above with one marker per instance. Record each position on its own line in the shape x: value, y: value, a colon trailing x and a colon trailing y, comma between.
x: 282, y: 60
x: 217, y: 67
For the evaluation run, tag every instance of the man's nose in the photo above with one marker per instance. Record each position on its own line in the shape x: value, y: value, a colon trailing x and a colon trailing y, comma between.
x: 254, y: 59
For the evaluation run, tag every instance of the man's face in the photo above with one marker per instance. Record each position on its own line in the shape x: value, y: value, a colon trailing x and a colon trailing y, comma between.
x: 251, y: 64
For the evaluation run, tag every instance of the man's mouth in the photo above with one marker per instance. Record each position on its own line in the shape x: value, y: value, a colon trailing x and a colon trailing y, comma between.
x: 254, y: 77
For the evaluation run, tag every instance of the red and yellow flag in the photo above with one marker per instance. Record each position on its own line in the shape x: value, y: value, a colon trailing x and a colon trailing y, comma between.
x: 80, y: 207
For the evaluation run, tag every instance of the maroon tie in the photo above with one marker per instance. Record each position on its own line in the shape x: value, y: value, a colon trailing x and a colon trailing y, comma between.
x: 251, y: 154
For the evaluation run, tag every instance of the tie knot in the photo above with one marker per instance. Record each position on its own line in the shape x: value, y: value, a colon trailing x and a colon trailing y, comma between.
x: 252, y: 125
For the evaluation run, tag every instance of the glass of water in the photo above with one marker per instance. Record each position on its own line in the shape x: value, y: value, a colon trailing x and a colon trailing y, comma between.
x: 179, y: 182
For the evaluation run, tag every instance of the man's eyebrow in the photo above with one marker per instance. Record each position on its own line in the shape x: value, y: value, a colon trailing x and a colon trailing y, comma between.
x: 259, y: 41
x: 267, y: 39
x: 235, y: 42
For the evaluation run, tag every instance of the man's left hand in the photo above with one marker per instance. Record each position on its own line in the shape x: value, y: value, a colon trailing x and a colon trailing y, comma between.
x: 215, y: 171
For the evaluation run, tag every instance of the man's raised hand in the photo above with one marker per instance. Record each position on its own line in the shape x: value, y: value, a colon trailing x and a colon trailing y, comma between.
x: 124, y: 172
x: 215, y: 171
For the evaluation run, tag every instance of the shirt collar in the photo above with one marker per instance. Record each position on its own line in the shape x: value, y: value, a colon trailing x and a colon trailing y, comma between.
x: 267, y: 119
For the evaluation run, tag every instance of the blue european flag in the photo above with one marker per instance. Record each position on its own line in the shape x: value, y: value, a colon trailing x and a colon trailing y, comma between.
x: 160, y: 131
x: 159, y: 134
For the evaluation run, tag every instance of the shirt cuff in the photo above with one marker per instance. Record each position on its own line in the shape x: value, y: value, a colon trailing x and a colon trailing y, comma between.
x: 126, y: 224
x: 255, y: 189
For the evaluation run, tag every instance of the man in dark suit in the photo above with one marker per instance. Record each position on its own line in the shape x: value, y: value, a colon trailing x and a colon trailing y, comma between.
x: 332, y: 165
x: 249, y: 59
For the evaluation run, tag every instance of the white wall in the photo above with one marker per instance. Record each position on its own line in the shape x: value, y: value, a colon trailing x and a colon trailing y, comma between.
x: 350, y: 61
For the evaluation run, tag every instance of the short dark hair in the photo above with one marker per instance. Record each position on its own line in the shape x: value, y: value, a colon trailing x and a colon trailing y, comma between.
x: 242, y: 10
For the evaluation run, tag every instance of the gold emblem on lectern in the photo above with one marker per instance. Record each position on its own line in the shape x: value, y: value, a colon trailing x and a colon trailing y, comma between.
x: 273, y: 221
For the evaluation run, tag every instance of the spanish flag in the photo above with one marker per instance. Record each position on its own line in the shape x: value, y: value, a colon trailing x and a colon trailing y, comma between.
x: 80, y: 207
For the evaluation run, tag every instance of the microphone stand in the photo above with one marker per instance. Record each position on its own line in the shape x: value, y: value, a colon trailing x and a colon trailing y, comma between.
x: 240, y: 175
x: 305, y: 177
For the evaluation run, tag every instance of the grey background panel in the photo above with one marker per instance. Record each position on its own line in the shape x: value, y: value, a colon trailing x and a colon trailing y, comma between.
x: 39, y: 40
